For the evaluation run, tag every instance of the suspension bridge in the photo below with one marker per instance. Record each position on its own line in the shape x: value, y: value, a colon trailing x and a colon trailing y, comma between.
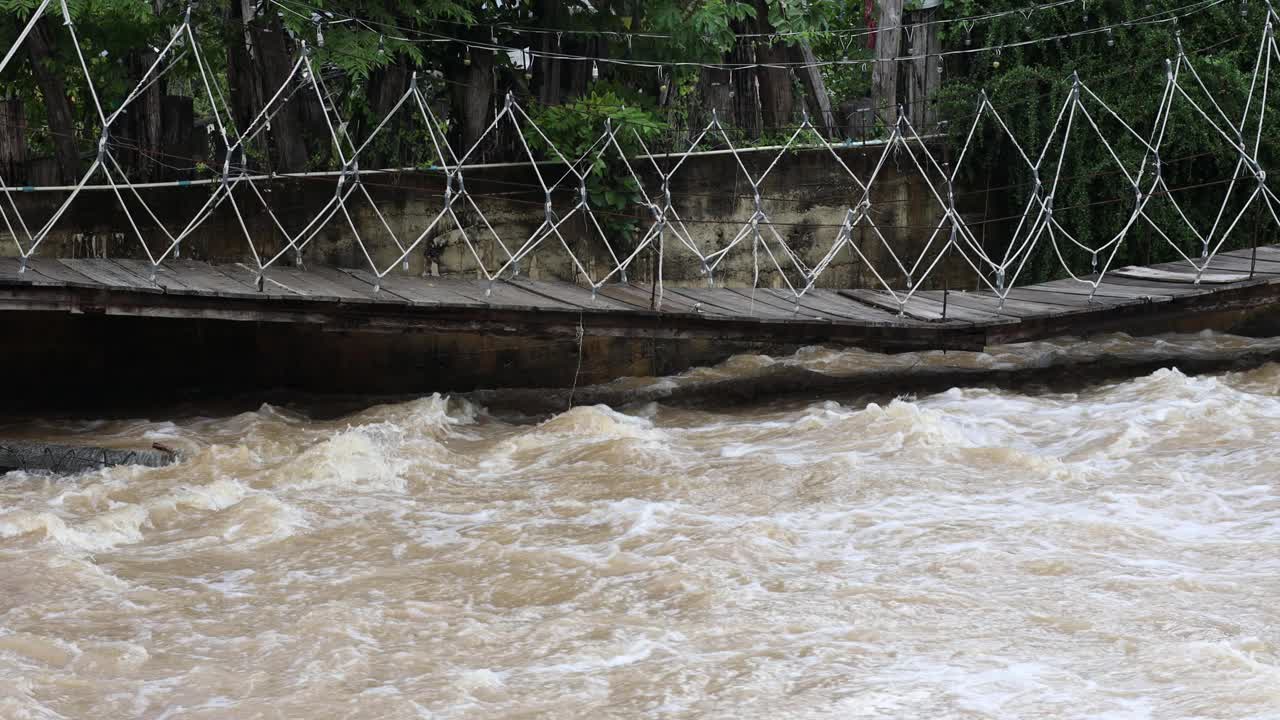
x: 789, y: 297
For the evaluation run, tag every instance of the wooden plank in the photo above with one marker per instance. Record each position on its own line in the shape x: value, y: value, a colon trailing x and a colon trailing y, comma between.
x: 497, y: 294
x: 884, y: 301
x: 1156, y: 274
x: 109, y: 275
x: 57, y: 273
x: 1269, y: 253
x: 166, y: 277
x: 670, y: 304
x: 1240, y: 266
x: 731, y: 304
x: 832, y: 303
x: 1074, y: 287
x: 1071, y: 300
x: 1174, y: 289
x: 248, y: 276
x: 1011, y: 306
x: 313, y: 284
x: 786, y: 302
x: 573, y: 295
x: 1243, y: 258
x: 416, y: 293
x: 354, y: 286
x: 202, y: 278
x: 981, y: 315
x: 9, y: 272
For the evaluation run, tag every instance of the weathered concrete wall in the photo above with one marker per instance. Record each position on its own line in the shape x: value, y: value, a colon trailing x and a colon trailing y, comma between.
x: 806, y: 195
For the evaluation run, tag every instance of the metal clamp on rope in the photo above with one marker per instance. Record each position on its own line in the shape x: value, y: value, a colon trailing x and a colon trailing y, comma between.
x: 226, y: 169
x: 350, y: 169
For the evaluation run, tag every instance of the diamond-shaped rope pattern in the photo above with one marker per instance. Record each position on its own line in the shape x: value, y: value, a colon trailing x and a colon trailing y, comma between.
x: 664, y: 230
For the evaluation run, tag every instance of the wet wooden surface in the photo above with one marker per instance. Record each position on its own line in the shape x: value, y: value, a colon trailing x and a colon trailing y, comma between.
x: 355, y: 299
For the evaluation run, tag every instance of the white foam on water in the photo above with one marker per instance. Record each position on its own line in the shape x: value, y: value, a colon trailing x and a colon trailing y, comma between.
x: 1108, y: 552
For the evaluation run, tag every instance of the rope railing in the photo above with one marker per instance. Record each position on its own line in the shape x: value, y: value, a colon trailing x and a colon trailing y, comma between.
x: 899, y: 269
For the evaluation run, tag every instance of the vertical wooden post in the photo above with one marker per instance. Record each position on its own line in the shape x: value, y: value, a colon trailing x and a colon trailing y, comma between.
x: 13, y: 141
x: 924, y: 78
x: 884, y: 79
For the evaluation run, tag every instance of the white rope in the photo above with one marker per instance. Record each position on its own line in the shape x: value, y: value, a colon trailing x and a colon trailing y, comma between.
x: 559, y: 177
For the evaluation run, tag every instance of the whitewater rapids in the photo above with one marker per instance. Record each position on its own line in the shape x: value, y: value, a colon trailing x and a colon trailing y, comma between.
x: 1104, y: 551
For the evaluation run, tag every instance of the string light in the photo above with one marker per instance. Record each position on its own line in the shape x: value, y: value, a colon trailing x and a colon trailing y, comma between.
x: 1164, y: 16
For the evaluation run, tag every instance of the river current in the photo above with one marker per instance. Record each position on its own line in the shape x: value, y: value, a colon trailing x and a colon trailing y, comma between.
x: 1103, y: 550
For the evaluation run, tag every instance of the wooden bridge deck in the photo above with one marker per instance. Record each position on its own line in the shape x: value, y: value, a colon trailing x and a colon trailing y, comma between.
x: 1135, y: 300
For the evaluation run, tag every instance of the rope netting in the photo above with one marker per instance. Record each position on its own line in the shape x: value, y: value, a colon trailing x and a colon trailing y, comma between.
x: 906, y: 267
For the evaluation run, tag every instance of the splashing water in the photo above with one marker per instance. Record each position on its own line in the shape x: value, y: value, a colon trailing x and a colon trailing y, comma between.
x: 1104, y: 551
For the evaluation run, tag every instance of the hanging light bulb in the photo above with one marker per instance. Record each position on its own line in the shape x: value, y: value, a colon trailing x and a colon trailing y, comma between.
x: 382, y: 45
x: 595, y: 71
x: 1111, y: 38
x: 466, y: 59
x: 1244, y: 8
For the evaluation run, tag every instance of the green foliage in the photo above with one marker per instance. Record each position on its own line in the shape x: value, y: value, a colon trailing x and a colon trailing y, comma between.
x: 701, y: 29
x: 573, y: 131
x: 1029, y: 83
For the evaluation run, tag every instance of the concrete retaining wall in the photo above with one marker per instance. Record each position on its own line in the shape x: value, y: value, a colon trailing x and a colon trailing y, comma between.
x: 806, y: 194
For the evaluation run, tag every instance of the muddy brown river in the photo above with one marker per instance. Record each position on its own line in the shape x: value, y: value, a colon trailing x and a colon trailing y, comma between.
x: 1103, y: 549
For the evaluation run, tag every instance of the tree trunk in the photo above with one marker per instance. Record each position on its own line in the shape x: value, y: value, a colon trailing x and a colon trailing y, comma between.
x: 547, y: 69
x: 243, y: 78
x: 258, y: 61
x: 57, y: 107
x: 924, y: 78
x: 472, y: 100
x: 884, y: 80
x: 386, y: 86
x: 816, y: 97
x: 142, y: 123
x: 713, y: 93
x: 13, y: 141
x: 777, y: 97
x: 180, y: 140
x: 744, y: 98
